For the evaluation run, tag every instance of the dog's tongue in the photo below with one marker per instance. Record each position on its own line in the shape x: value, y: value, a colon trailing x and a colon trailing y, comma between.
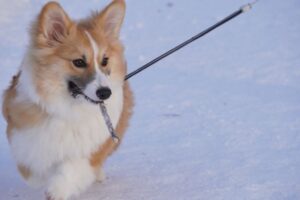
x: 109, y: 125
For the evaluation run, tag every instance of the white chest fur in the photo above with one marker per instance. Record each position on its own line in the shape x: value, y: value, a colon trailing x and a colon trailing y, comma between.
x: 74, y: 135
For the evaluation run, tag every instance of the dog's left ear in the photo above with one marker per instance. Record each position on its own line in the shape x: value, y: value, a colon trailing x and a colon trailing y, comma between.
x: 111, y: 18
x: 53, y: 22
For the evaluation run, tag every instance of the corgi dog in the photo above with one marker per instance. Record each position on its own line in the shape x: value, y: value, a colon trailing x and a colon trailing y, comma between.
x: 55, y: 128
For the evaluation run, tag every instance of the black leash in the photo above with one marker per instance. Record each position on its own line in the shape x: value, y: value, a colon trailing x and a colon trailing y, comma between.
x: 171, y: 51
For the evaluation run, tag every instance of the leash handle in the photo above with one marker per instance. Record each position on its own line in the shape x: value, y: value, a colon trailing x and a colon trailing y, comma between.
x: 243, y: 9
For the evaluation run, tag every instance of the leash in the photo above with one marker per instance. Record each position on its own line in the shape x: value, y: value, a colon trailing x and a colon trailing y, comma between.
x: 243, y: 9
x: 109, y: 125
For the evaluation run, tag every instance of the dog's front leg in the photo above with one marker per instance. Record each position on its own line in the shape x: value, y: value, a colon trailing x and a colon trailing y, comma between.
x: 70, y: 179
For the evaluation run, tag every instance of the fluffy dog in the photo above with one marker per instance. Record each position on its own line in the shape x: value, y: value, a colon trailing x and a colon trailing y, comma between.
x: 58, y: 138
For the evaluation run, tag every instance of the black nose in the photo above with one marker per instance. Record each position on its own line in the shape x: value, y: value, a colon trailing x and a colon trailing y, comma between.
x: 103, y: 93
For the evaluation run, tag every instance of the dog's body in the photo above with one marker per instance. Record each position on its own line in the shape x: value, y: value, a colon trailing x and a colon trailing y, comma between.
x: 59, y: 139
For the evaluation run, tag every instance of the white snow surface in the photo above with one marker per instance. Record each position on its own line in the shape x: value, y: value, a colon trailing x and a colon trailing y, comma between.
x: 219, y: 120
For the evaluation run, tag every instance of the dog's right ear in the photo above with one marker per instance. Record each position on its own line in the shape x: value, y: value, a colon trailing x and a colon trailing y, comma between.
x: 53, y: 23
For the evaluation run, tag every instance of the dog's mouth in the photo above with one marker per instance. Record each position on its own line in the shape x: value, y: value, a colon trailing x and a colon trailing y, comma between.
x: 75, y: 91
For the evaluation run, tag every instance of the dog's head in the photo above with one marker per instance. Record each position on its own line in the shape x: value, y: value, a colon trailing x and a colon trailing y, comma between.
x: 71, y: 58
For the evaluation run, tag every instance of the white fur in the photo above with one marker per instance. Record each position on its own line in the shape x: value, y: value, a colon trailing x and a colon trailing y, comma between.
x: 100, y: 175
x: 59, y: 147
x: 57, y: 139
x: 101, y: 79
x: 71, y: 178
x: 26, y: 87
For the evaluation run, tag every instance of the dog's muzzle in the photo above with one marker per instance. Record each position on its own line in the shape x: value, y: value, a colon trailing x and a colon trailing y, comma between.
x: 103, y: 93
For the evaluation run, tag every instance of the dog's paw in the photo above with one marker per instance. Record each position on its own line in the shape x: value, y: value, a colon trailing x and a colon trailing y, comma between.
x: 53, y: 194
x: 70, y: 179
x: 49, y: 197
x: 100, y: 175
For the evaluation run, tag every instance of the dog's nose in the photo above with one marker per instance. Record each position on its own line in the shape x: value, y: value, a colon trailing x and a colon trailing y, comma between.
x: 103, y: 93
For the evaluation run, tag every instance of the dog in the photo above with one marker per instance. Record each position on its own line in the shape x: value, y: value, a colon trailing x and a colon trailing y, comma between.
x: 55, y: 129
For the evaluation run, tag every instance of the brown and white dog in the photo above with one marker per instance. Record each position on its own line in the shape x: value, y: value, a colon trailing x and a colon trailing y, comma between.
x: 58, y: 138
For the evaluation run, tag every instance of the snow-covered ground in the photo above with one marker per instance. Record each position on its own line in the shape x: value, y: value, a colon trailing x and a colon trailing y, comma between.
x: 217, y: 120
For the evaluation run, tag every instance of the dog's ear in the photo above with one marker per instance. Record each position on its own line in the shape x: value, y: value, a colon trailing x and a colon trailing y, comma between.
x: 53, y: 23
x: 111, y: 18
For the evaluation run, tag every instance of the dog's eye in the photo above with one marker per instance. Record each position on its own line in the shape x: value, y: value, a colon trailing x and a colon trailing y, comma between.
x: 104, y: 62
x: 80, y: 63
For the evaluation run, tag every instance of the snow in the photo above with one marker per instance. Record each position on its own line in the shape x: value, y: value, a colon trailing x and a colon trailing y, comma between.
x: 219, y: 120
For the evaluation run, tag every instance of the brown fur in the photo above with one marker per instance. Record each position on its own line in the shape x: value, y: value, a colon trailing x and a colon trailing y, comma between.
x: 18, y: 115
x: 25, y: 172
x: 9, y: 94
